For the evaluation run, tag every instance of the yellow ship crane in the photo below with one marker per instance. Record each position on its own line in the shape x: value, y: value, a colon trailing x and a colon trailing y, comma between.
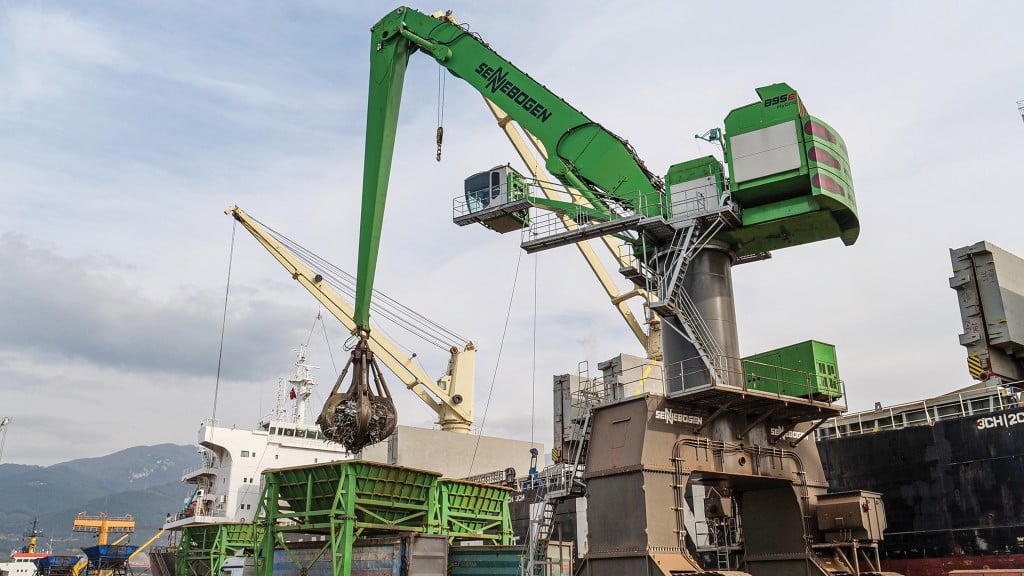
x: 450, y: 396
x: 146, y: 544
x: 103, y: 525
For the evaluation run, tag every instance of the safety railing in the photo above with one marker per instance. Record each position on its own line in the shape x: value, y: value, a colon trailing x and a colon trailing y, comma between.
x: 695, y: 206
x: 559, y: 477
x: 545, y: 223
x: 548, y: 223
x: 755, y: 377
x: 981, y: 402
x: 627, y: 256
x: 470, y: 203
x: 593, y: 390
x: 505, y: 477
x: 555, y: 478
x: 209, y: 464
x: 716, y: 533
x: 743, y: 376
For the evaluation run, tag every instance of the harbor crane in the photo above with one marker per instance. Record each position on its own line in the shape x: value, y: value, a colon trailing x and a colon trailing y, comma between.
x: 721, y: 419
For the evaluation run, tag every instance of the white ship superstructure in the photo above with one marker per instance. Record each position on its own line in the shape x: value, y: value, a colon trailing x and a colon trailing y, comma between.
x: 227, y: 480
x: 21, y: 563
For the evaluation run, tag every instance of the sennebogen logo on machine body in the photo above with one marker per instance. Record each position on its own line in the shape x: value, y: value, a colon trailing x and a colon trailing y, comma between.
x: 671, y: 417
x: 792, y: 434
x: 497, y: 81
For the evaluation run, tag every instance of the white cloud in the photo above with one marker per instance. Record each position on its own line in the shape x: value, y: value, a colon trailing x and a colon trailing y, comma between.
x: 46, y: 51
x: 59, y: 35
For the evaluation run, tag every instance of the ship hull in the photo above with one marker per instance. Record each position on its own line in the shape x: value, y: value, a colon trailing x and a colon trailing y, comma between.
x: 952, y: 490
x: 943, y: 566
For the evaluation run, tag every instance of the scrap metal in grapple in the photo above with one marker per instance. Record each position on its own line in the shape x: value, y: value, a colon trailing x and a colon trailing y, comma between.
x: 361, y: 416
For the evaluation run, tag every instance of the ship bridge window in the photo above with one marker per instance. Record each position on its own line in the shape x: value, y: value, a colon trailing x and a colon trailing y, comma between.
x: 288, y: 431
x: 273, y: 430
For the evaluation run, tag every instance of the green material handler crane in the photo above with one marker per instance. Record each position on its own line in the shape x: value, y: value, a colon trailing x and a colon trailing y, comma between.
x: 787, y: 183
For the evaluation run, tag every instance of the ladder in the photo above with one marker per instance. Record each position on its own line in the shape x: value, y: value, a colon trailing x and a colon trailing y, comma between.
x: 542, y: 523
x: 570, y: 484
x: 722, y: 556
x: 576, y: 485
x: 687, y: 241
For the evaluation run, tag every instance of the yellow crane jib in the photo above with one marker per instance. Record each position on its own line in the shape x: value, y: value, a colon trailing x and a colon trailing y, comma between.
x: 103, y: 525
x: 450, y: 396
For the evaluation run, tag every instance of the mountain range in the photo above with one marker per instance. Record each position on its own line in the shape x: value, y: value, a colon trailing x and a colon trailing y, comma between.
x: 144, y: 481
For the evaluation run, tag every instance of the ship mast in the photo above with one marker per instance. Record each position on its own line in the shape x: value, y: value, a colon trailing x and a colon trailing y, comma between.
x: 297, y: 389
x: 3, y: 435
x: 302, y: 385
x: 35, y: 532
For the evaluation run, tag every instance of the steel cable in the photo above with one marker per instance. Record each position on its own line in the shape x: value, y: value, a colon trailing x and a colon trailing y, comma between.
x: 224, y: 322
x: 382, y: 305
x: 497, y: 361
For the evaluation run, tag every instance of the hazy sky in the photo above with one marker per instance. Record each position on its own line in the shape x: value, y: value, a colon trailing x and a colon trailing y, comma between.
x: 128, y: 127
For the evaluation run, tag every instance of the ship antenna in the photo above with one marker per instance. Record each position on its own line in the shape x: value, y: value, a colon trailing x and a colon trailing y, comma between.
x: 3, y: 435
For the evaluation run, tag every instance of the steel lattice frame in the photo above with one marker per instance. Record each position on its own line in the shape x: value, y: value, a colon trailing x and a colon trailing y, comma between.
x: 469, y: 510
x: 204, y: 548
x: 343, y: 501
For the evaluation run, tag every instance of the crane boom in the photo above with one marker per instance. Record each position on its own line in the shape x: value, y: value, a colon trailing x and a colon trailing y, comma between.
x: 451, y: 398
x: 583, y: 155
x: 146, y: 544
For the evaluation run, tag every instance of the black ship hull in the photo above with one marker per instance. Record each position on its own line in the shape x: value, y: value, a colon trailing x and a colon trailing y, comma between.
x: 952, y: 489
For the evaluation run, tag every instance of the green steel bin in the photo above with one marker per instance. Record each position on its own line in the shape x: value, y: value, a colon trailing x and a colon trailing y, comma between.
x: 805, y: 370
x: 375, y: 496
x: 470, y: 510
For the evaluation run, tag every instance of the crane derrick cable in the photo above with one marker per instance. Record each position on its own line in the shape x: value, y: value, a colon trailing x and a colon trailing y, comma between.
x: 365, y: 413
x: 384, y: 307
